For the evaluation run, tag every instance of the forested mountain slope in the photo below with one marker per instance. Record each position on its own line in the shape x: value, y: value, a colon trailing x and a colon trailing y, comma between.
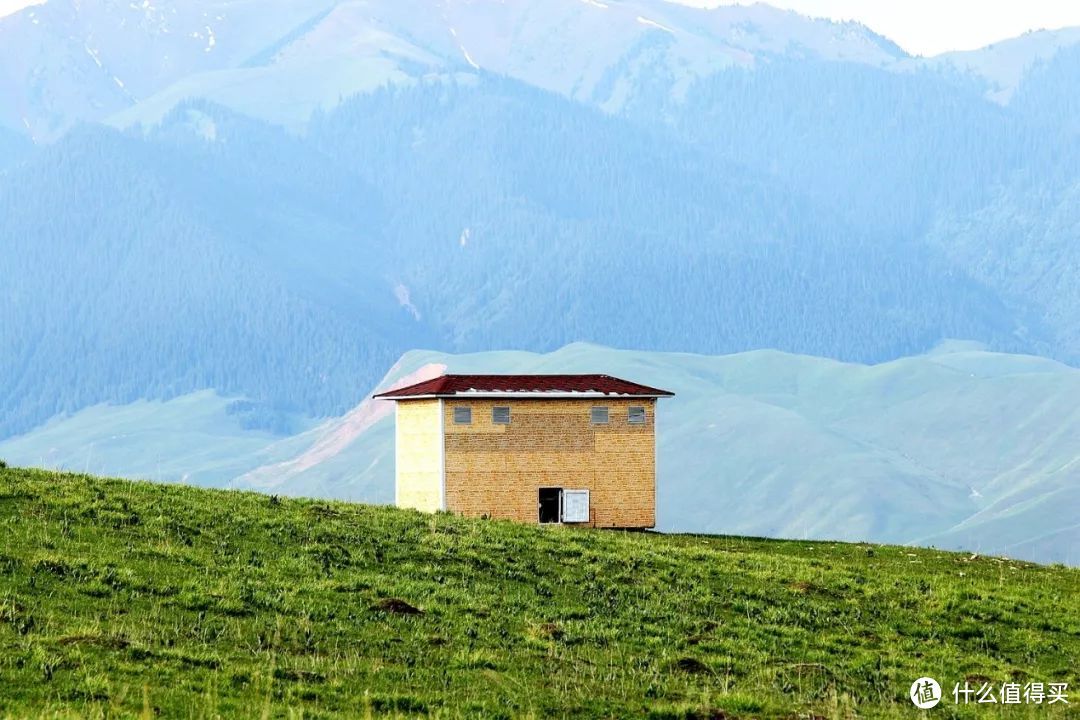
x: 1025, y: 243
x: 629, y: 236
x: 13, y: 148
x: 1050, y: 95
x: 132, y: 269
x: 903, y: 149
x: 219, y: 252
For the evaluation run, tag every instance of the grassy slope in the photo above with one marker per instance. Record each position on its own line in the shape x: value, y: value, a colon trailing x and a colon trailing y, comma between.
x: 120, y: 598
x: 958, y: 449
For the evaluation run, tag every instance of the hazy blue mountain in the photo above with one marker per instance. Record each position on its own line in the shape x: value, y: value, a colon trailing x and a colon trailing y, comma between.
x: 75, y: 60
x: 959, y: 448
x: 454, y: 214
x: 620, y: 225
x: 281, y: 60
x: 130, y: 62
x: 89, y: 60
x: 1004, y: 66
x: 892, y: 151
x: 14, y: 148
x: 198, y: 438
x: 1025, y: 243
x: 1050, y: 95
x: 144, y: 268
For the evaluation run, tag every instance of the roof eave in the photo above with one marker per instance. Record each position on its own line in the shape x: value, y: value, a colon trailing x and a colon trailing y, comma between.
x: 542, y: 395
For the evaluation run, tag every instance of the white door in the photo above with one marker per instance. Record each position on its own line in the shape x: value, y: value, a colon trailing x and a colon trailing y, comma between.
x: 575, y: 506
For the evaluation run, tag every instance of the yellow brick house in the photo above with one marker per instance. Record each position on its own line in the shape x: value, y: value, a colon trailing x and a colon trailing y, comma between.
x: 574, y: 449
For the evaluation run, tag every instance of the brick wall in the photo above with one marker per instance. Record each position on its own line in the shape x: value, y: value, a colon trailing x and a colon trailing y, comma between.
x: 496, y: 470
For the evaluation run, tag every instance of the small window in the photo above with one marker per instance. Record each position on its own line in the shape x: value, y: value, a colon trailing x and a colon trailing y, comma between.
x: 500, y: 415
x: 599, y: 416
x: 463, y: 416
x: 636, y: 416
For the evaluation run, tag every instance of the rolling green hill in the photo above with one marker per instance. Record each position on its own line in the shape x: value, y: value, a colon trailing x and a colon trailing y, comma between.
x: 959, y: 448
x: 122, y: 599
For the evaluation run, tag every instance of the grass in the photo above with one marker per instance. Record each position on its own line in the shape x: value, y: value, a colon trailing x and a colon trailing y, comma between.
x: 121, y: 599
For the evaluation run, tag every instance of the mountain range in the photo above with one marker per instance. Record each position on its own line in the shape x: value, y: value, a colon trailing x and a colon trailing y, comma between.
x: 263, y: 206
x: 69, y: 61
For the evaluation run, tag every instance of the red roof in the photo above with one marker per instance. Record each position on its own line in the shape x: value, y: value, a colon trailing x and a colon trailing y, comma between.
x: 452, y: 385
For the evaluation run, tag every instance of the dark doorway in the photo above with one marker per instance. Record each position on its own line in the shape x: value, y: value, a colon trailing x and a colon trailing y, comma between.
x: 550, y: 505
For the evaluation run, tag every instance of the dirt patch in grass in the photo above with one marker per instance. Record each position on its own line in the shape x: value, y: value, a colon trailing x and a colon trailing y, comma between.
x: 108, y: 642
x: 396, y: 606
x: 303, y: 676
x: 692, y: 666
x: 551, y: 631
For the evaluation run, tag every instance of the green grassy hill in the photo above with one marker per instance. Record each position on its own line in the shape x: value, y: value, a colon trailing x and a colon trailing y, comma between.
x: 122, y: 599
x: 959, y: 448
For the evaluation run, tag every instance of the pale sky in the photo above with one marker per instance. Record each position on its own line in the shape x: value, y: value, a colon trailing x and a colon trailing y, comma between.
x: 929, y: 27
x: 9, y: 6
x: 922, y: 27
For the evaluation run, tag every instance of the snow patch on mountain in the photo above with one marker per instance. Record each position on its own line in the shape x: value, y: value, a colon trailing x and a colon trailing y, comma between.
x: 653, y: 23
x: 402, y: 295
x: 468, y: 58
x: 94, y: 55
x: 284, y: 59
